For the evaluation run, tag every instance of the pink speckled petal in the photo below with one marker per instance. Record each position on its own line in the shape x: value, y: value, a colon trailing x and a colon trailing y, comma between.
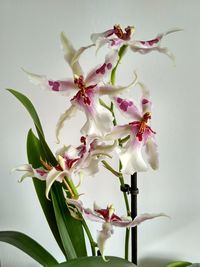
x: 128, y: 108
x: 38, y: 173
x: 101, y: 72
x: 144, y: 47
x: 65, y: 87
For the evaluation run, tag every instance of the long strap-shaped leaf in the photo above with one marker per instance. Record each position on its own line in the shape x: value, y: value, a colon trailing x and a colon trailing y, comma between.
x: 41, y: 149
x: 29, y: 246
x: 179, y: 264
x: 97, y: 262
x: 34, y: 151
x: 64, y: 219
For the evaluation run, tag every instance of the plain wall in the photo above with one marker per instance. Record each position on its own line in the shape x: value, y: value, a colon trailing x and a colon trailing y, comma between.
x: 29, y: 33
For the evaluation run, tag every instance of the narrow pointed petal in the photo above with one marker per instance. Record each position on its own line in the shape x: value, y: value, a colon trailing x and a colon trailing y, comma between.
x: 112, y: 90
x: 38, y: 173
x: 145, y: 102
x: 87, y: 213
x: 65, y: 87
x: 100, y: 39
x: 101, y: 72
x: 144, y: 47
x: 152, y: 153
x: 79, y: 52
x: 127, y: 222
x: 68, y: 114
x: 70, y: 53
x: 53, y: 176
x: 146, y: 216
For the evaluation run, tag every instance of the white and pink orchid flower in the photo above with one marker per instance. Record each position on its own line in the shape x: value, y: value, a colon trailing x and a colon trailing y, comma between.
x: 73, y: 163
x: 116, y: 38
x: 141, y: 135
x: 108, y: 218
x: 86, y: 90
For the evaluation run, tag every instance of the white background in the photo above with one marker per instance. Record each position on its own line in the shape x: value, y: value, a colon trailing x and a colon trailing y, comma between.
x: 29, y: 38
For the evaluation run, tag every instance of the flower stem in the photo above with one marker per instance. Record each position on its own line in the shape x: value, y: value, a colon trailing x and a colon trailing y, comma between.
x: 92, y: 243
x: 74, y: 194
x: 121, y: 53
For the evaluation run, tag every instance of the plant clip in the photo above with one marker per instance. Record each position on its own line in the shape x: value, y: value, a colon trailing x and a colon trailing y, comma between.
x: 127, y: 189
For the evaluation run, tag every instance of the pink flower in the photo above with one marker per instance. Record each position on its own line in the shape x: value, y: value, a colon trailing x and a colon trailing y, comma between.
x: 86, y: 90
x: 140, y: 132
x: 73, y: 163
x: 116, y: 37
x: 108, y: 218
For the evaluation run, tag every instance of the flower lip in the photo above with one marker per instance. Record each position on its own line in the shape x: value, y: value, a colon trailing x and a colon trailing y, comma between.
x: 108, y: 214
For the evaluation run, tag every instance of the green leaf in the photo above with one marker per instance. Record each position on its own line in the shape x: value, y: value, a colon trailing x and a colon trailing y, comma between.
x: 96, y: 262
x: 70, y: 229
x: 29, y: 246
x: 34, y: 151
x: 37, y: 148
x: 29, y: 106
x: 179, y: 264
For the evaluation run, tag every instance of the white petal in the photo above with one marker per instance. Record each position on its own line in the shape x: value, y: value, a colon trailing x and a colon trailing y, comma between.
x: 65, y: 87
x: 99, y: 123
x: 103, y: 235
x: 152, y: 153
x: 112, y: 90
x: 68, y: 114
x: 70, y: 53
x: 131, y: 157
x: 118, y: 132
x: 38, y: 173
x: 146, y: 216
x: 79, y: 53
x: 53, y: 176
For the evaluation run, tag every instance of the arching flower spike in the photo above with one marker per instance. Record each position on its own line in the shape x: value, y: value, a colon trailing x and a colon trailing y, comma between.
x: 141, y: 135
x: 116, y: 37
x: 108, y: 218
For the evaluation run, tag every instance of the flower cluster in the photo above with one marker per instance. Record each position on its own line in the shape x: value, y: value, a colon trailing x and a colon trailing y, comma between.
x: 133, y: 141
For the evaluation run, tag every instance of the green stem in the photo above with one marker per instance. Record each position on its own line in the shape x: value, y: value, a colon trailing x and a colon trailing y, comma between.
x: 121, y: 53
x: 108, y: 167
x: 92, y: 243
x: 87, y: 230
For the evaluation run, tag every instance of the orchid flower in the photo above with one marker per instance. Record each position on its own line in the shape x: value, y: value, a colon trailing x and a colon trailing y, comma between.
x: 108, y: 218
x: 116, y: 38
x: 86, y: 90
x: 141, y: 135
x: 72, y: 162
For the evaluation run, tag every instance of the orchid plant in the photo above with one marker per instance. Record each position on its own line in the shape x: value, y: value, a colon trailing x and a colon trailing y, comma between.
x: 57, y: 177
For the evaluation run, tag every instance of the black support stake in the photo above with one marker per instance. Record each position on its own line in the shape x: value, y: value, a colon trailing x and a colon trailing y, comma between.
x: 134, y: 192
